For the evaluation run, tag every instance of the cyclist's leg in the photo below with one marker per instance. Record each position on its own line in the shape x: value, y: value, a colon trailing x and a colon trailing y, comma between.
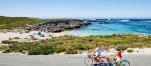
x: 115, y: 59
x: 101, y: 57
x: 96, y: 58
x: 118, y: 61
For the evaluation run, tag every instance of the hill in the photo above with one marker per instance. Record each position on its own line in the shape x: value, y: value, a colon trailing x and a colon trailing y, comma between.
x: 17, y: 22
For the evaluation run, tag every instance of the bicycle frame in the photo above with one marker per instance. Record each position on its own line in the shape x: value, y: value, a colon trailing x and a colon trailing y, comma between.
x: 92, y: 57
x: 111, y: 61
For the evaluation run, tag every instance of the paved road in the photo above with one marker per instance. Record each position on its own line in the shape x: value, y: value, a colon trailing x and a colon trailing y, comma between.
x: 63, y: 60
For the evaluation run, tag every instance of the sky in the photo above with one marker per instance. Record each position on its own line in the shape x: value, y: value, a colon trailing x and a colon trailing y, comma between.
x: 76, y: 8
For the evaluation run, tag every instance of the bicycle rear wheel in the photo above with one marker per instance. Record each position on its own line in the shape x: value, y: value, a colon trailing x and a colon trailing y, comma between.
x: 103, y: 62
x: 88, y: 61
x: 124, y: 63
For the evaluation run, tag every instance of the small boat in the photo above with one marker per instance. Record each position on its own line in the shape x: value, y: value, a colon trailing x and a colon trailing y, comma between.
x: 125, y: 20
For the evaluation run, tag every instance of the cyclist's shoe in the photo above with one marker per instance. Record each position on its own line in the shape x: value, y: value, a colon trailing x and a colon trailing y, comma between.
x: 99, y: 63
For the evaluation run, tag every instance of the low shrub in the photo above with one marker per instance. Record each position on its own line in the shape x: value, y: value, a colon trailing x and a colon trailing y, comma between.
x: 34, y: 39
x: 58, y: 50
x: 26, y: 38
x: 20, y: 50
x: 40, y: 52
x: 33, y: 52
x: 71, y: 52
x: 14, y: 41
x: 123, y: 48
x: 3, y: 47
x: 6, y: 51
x: 16, y: 38
x: 46, y: 52
x: 6, y: 41
x: 80, y: 47
x: 129, y: 51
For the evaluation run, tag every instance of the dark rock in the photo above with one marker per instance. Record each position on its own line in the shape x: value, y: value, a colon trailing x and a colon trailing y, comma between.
x: 68, y: 27
x: 56, y: 30
x: 103, y: 22
x: 100, y: 22
x: 58, y: 25
x: 77, y: 26
x: 106, y: 22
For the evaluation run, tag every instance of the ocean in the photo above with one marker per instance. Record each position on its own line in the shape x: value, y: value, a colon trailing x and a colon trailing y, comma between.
x: 115, y: 26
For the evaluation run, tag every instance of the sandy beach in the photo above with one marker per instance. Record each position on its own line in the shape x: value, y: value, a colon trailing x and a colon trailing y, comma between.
x: 5, y: 36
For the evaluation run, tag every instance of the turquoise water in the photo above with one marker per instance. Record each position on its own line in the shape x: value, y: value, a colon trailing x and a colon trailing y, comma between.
x: 116, y: 26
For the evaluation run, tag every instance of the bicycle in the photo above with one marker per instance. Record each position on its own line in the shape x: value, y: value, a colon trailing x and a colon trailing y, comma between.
x: 111, y: 62
x: 89, y: 60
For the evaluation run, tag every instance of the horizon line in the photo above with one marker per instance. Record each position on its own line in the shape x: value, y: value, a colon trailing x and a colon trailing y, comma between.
x: 84, y: 17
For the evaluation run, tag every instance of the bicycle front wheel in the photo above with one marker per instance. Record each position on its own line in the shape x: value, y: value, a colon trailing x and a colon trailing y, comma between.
x: 88, y: 61
x: 124, y: 63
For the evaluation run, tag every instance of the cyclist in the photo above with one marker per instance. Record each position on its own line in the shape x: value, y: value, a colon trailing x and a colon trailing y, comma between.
x: 97, y: 53
x: 117, y: 55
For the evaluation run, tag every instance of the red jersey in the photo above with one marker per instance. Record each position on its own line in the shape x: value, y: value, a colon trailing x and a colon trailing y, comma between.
x: 119, y: 54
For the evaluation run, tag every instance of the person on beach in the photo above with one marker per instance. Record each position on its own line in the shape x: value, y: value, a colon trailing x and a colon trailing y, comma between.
x: 97, y: 53
x: 117, y: 55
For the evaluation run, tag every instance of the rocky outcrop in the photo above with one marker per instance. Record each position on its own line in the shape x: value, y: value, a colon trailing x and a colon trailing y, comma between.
x: 76, y: 26
x: 60, y: 25
x: 68, y: 27
x: 101, y: 22
x: 104, y: 22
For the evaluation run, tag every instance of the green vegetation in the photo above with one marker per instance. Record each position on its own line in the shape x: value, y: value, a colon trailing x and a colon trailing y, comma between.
x: 71, y: 52
x: 17, y: 22
x: 6, y: 41
x: 129, y: 51
x: 123, y: 48
x: 16, y: 38
x: 3, y: 47
x: 34, y: 39
x: 7, y: 51
x: 40, y: 52
x: 20, y: 50
x: 73, y: 44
